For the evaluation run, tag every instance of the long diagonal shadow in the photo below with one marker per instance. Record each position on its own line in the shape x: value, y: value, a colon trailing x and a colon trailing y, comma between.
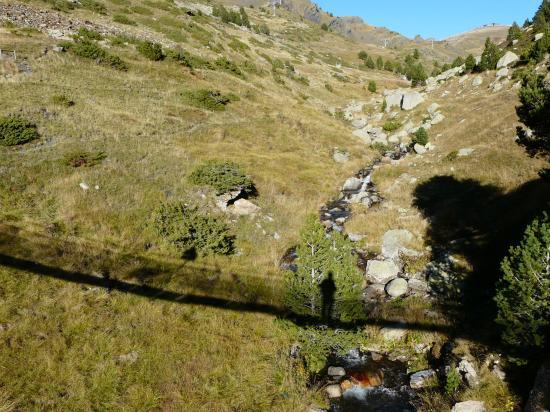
x: 182, y: 298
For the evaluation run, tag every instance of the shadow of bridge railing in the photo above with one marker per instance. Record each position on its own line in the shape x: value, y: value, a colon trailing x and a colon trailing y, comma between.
x: 206, y: 286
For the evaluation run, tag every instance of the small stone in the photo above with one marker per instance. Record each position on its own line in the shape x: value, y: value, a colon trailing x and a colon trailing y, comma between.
x: 352, y: 183
x: 380, y: 271
x: 58, y: 49
x: 333, y: 391
x: 397, y: 287
x: 128, y: 358
x: 469, y: 406
x: 84, y: 186
x: 478, y: 81
x: 355, y: 237
x: 336, y: 371
x: 465, y: 152
x: 419, y: 149
x: 243, y: 207
x: 340, y: 156
x: 420, y: 379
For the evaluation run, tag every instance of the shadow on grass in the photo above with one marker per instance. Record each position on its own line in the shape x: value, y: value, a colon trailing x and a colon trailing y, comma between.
x: 479, y: 223
x: 154, y: 278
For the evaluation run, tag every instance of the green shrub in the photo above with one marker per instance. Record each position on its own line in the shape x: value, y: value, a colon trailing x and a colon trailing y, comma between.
x: 83, y: 159
x: 470, y: 63
x: 123, y: 19
x: 452, y: 381
x: 452, y: 156
x: 490, y: 56
x: 62, y: 100
x: 207, y: 99
x: 15, y: 130
x: 190, y: 231
x: 391, y: 125
x: 238, y: 46
x: 421, y: 137
x: 372, y: 86
x: 87, y: 34
x: 329, y: 87
x: 324, y: 27
x: 228, y: 66
x: 381, y: 148
x: 319, y: 257
x: 363, y: 55
x: 90, y: 50
x: 222, y: 176
x: 187, y: 59
x: 152, y: 51
x: 523, y: 293
x: 93, y: 5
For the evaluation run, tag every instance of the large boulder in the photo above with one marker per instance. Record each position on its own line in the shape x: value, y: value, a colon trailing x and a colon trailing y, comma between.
x: 397, y: 287
x: 411, y: 100
x: 419, y: 149
x: 504, y: 72
x: 508, y: 59
x: 394, y: 98
x: 469, y: 406
x: 364, y: 135
x: 468, y: 372
x: 381, y: 271
x: 394, y: 242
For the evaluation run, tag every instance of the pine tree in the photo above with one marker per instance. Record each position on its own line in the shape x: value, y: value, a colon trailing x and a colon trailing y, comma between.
x: 470, y: 63
x: 244, y: 18
x: 416, y: 54
x: 514, y: 33
x: 542, y: 16
x: 363, y: 55
x: 523, y: 293
x: 379, y: 63
x: 388, y: 65
x: 490, y: 56
x: 459, y: 61
x: 319, y: 255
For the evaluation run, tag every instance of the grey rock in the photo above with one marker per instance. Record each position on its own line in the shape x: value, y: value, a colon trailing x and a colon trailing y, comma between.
x: 539, y: 36
x: 222, y: 201
x: 396, y: 331
x: 394, y: 241
x: 420, y: 379
x: 504, y: 72
x: 465, y: 152
x: 433, y: 108
x: 478, y: 81
x: 336, y: 372
x: 393, y: 98
x: 359, y: 123
x: 363, y: 135
x: 418, y: 286
x: 243, y: 207
x: 128, y: 358
x: 468, y: 372
x: 380, y: 271
x: 352, y: 183
x: 437, y: 118
x: 469, y: 406
x: 374, y: 291
x: 411, y: 100
x: 340, y: 156
x: 333, y: 391
x: 397, y: 287
x: 419, y: 149
x: 355, y: 237
x: 84, y: 186
x: 507, y: 60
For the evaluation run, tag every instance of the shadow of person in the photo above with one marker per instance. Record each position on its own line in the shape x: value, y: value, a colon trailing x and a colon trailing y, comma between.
x: 328, y: 290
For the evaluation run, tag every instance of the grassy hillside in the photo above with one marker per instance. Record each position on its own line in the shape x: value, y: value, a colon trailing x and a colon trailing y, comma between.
x: 97, y: 313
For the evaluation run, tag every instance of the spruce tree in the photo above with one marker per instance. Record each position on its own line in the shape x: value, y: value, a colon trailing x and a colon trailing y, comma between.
x: 319, y: 255
x: 379, y: 63
x: 514, y: 33
x: 523, y: 293
x: 542, y: 16
x: 490, y: 56
x: 370, y: 63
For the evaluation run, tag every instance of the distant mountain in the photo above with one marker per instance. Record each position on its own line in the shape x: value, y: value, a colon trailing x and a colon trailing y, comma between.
x: 360, y: 31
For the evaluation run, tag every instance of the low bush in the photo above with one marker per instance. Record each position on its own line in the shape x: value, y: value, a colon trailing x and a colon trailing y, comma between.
x: 192, y: 232
x: 239, y: 46
x: 187, y: 59
x: 123, y: 19
x: 93, y: 5
x: 15, y: 130
x: 87, y: 34
x: 150, y: 50
x: 228, y: 66
x: 223, y: 177
x: 83, y: 159
x: 90, y: 50
x: 207, y: 99
x: 329, y: 87
x: 391, y: 125
x: 452, y: 156
x: 382, y: 148
x: 372, y: 86
x: 421, y: 137
x: 62, y: 100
